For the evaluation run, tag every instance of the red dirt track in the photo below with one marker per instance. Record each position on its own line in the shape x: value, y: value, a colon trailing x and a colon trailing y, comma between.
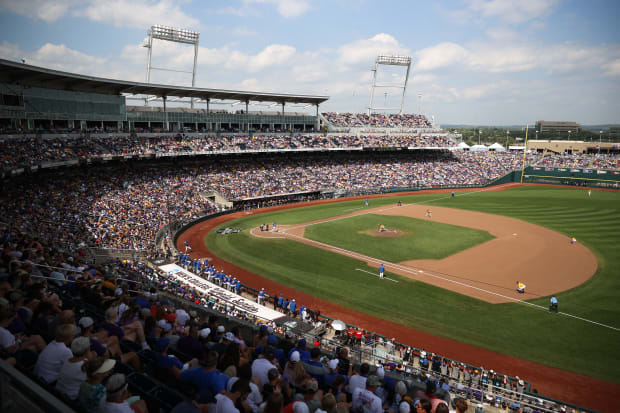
x: 571, y: 387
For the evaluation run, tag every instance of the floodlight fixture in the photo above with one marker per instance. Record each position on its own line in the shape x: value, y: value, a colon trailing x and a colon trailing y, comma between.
x: 172, y: 34
x: 387, y: 60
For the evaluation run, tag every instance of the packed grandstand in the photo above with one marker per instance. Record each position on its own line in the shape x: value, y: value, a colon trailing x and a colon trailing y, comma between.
x: 56, y: 216
x: 87, y: 330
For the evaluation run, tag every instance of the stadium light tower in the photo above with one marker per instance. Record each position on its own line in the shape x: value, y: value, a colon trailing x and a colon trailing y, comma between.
x: 383, y: 60
x: 172, y: 34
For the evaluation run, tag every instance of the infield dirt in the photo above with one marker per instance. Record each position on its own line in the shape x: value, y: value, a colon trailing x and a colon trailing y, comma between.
x: 571, y: 387
x: 544, y: 260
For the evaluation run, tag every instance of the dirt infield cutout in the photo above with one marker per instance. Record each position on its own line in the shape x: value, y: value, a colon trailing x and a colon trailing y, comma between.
x: 543, y: 259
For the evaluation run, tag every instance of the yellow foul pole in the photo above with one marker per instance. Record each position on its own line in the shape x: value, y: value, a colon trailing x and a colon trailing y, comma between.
x: 524, y: 154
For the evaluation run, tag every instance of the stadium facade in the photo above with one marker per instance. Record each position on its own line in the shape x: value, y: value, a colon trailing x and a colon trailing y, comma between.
x: 34, y: 98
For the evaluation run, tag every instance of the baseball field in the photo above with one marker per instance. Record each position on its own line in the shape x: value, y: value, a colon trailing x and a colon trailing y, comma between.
x: 452, y: 276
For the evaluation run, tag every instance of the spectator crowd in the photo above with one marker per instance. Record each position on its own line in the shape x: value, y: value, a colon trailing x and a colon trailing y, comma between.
x: 32, y: 151
x: 377, y: 120
x: 102, y: 345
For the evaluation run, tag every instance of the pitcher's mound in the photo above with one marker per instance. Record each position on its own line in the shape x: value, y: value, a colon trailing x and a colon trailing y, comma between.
x: 387, y: 233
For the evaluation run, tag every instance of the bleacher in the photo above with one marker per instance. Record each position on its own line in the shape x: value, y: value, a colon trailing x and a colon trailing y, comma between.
x: 149, y: 294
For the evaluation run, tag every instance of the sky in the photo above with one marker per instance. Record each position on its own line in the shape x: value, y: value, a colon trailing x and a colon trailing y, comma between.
x: 476, y: 62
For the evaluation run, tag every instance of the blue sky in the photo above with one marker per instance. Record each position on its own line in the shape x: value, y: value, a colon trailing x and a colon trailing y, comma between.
x: 489, y: 62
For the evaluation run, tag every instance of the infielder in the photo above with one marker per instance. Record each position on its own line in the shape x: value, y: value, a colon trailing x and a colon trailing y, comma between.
x: 381, y: 271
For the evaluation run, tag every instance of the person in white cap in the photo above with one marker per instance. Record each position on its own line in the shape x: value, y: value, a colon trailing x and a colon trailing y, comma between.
x: 117, y: 395
x: 292, y: 367
x: 333, y: 373
x: 92, y: 393
x: 226, y: 400
x: 71, y: 375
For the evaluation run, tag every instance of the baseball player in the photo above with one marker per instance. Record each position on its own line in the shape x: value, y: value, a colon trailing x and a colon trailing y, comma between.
x: 573, y: 240
x: 366, y: 201
x: 381, y: 271
x: 429, y: 213
x: 520, y: 287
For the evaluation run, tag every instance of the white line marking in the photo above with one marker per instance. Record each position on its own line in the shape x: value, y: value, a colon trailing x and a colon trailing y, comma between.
x: 353, y: 209
x: 414, y: 271
x: 376, y: 275
x: 382, y: 210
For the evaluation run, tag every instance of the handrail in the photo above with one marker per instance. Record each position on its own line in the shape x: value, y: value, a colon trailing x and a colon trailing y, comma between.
x: 32, y: 392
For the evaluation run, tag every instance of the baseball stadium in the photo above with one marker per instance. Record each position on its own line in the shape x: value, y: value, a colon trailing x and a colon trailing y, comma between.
x: 178, y: 253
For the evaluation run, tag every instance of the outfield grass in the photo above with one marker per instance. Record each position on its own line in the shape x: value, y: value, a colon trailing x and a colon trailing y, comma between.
x: 420, y: 239
x: 508, y: 328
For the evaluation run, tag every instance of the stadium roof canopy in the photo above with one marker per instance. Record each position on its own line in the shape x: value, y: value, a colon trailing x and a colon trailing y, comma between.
x: 34, y: 76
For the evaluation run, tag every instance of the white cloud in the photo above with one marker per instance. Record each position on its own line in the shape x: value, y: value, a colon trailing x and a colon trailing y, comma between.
x: 10, y: 51
x: 48, y: 11
x: 441, y: 55
x: 366, y: 50
x: 511, y: 11
x: 137, y: 13
x: 57, y: 56
x: 612, y: 68
x: 120, y: 13
x: 515, y: 57
x: 272, y: 55
x: 425, y: 78
x: 287, y: 8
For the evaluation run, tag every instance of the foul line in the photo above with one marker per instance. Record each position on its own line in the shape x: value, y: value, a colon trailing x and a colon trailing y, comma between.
x: 381, y: 210
x: 372, y: 273
x: 418, y: 272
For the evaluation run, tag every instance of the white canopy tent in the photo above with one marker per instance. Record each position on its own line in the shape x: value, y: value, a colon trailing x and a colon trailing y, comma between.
x: 479, y: 148
x: 497, y: 147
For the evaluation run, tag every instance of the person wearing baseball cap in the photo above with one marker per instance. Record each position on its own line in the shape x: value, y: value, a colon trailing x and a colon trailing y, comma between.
x: 301, y: 349
x: 117, y: 395
x: 92, y: 393
x: 71, y: 374
x: 333, y: 373
x: 262, y: 365
x: 366, y: 396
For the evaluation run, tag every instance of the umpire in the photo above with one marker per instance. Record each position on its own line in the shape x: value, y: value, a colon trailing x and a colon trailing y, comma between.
x: 554, y: 304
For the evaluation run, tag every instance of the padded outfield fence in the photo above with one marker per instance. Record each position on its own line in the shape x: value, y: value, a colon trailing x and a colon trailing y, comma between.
x: 595, y: 178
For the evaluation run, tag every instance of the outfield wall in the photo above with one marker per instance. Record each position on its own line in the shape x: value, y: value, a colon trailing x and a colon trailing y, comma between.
x: 597, y: 178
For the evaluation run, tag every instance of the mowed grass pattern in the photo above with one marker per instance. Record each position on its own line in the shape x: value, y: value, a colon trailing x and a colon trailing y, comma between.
x: 510, y: 328
x: 420, y: 239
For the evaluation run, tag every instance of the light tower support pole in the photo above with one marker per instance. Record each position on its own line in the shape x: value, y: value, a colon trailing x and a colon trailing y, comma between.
x: 389, y: 61
x: 172, y: 34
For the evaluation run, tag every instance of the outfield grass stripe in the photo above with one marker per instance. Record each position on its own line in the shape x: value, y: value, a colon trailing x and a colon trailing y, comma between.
x: 417, y: 272
x: 595, y: 222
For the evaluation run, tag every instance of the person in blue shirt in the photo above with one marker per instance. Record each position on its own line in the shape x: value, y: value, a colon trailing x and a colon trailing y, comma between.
x: 238, y: 287
x: 208, y: 377
x: 304, y: 354
x: 280, y: 300
x: 164, y: 361
x: 293, y: 307
x: 381, y: 271
x: 554, y: 304
x: 261, y: 296
x: 285, y: 306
